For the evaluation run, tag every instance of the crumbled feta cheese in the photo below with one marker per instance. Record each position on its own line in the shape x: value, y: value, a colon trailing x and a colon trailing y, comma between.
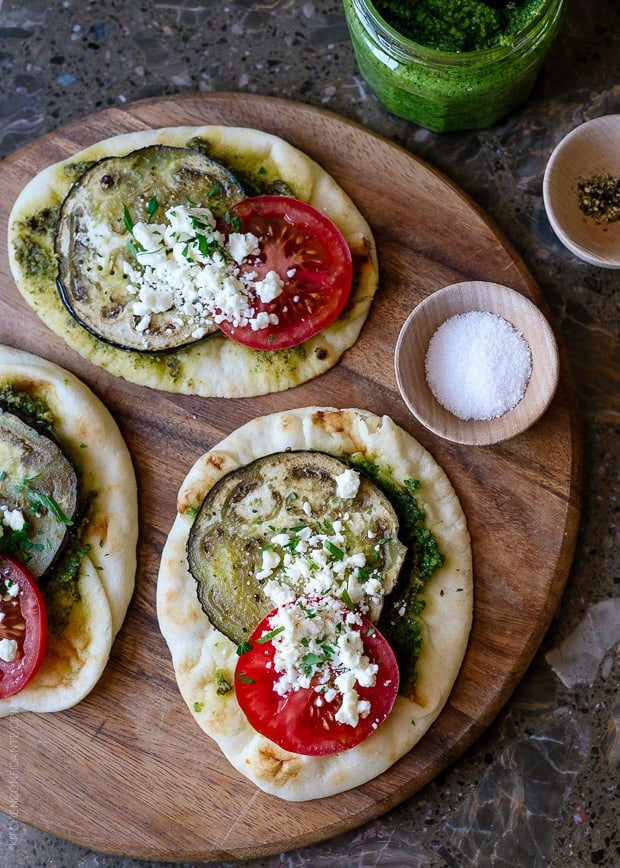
x: 271, y: 559
x: 8, y: 650
x: 347, y: 484
x: 149, y: 237
x: 152, y: 300
x: 262, y: 320
x: 143, y: 323
x: 270, y: 287
x: 318, y: 646
x: 12, y: 518
x: 185, y: 264
x: 242, y: 244
x: 312, y: 559
x: 11, y: 589
x: 313, y: 566
x: 279, y: 592
x: 99, y: 238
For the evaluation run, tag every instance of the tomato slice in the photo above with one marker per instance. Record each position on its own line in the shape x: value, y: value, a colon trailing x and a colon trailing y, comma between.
x: 24, y: 622
x: 302, y: 721
x: 309, y: 254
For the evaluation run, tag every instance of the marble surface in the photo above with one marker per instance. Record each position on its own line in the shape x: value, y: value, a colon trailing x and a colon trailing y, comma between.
x: 540, y: 786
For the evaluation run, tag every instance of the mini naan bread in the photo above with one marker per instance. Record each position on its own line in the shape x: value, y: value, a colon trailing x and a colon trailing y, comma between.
x: 76, y: 657
x: 215, y: 366
x: 199, y: 651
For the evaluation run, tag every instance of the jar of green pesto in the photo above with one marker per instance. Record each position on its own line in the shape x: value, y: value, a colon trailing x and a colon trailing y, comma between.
x: 452, y: 64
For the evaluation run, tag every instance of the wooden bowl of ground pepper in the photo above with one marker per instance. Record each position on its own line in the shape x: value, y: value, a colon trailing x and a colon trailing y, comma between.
x: 581, y: 191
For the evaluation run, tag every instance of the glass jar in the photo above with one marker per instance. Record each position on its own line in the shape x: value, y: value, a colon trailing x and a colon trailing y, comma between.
x: 442, y: 90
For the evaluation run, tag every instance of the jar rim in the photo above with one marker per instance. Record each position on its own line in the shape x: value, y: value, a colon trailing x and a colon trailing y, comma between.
x: 401, y: 43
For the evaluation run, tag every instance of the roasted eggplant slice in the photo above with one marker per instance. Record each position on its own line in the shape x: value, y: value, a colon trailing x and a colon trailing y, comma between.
x: 280, y: 504
x: 38, y: 486
x: 93, y: 238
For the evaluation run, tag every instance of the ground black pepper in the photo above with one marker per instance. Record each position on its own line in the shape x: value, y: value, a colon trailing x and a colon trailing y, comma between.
x: 599, y: 197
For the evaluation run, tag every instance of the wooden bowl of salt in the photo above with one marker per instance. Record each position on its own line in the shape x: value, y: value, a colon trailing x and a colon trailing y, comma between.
x: 477, y: 363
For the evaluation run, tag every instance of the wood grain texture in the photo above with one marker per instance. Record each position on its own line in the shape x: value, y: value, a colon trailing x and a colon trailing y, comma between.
x: 127, y: 771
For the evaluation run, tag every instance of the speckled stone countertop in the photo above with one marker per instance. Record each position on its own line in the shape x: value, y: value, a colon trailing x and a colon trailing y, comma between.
x: 539, y: 788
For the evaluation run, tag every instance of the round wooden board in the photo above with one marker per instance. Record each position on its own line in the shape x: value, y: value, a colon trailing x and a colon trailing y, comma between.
x: 127, y: 771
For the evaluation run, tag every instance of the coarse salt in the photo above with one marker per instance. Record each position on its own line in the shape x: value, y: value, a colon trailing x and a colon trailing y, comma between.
x: 478, y: 365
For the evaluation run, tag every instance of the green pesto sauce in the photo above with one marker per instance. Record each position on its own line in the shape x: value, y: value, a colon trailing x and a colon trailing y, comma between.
x: 459, y: 25
x: 400, y: 620
x: 265, y: 360
x: 434, y: 75
x: 256, y: 181
x: 35, y: 408
x: 59, y: 585
x: 77, y: 168
x: 222, y: 684
x: 34, y: 250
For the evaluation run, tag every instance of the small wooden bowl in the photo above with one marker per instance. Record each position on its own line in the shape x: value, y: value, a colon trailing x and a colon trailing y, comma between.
x: 589, y: 150
x: 459, y: 298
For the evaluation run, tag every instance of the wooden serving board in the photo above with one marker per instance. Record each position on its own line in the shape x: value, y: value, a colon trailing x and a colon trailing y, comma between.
x: 127, y: 771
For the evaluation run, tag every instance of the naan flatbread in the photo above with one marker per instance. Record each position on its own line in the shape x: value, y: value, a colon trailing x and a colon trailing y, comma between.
x: 76, y: 657
x: 215, y: 366
x: 199, y: 651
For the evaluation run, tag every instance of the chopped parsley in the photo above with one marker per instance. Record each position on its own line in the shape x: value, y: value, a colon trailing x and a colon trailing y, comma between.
x: 222, y: 684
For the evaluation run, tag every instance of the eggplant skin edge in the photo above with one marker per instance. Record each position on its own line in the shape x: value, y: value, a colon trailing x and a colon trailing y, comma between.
x: 23, y: 490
